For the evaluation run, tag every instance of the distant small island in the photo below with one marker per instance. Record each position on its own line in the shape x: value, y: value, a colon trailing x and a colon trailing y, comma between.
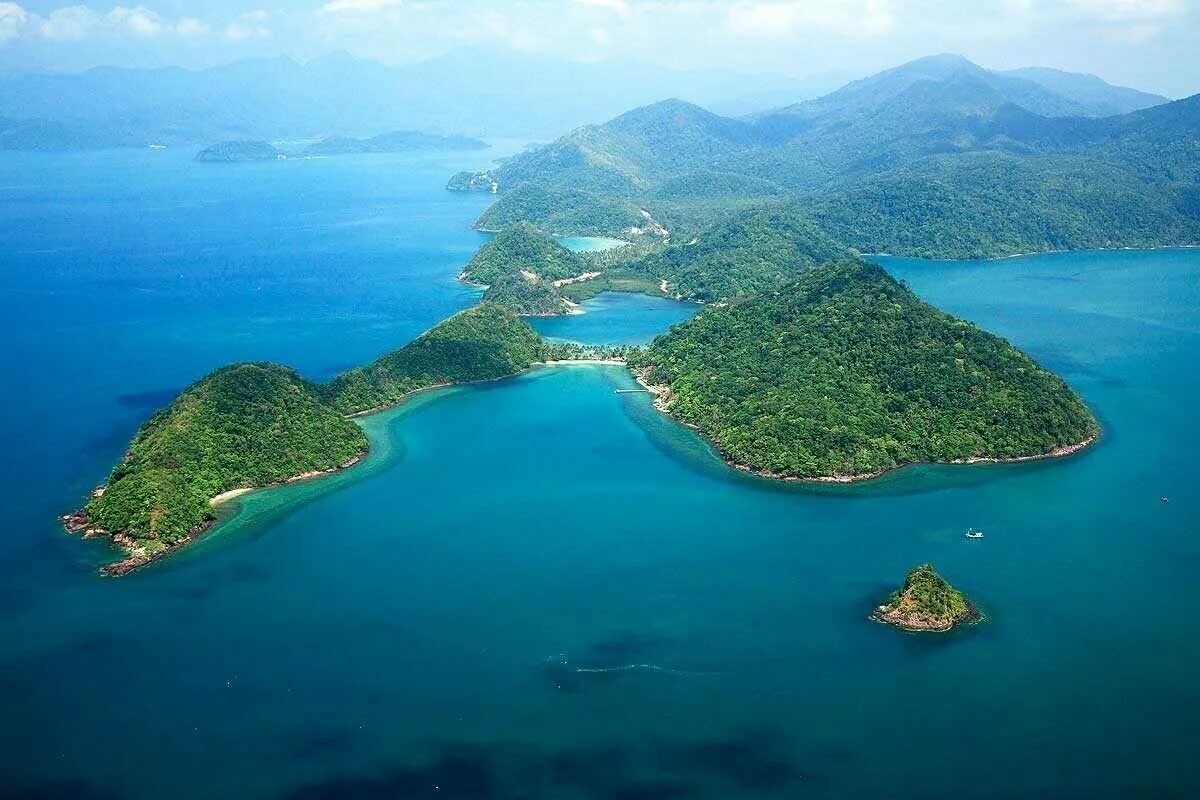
x: 234, y: 151
x: 239, y: 151
x: 392, y: 142
x: 926, y: 602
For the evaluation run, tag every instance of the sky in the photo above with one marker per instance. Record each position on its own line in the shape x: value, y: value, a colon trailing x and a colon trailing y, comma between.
x: 1148, y: 44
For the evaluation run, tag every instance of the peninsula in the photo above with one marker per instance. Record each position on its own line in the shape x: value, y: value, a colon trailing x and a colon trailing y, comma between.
x: 259, y: 424
x: 926, y: 602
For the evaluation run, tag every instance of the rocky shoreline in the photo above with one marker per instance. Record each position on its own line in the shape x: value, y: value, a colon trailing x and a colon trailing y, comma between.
x: 920, y: 622
x: 140, y: 552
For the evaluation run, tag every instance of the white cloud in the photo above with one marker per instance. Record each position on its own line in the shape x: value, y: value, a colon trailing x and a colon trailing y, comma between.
x: 619, y: 7
x: 12, y: 21
x: 251, y: 25
x: 785, y: 18
x: 140, y: 21
x: 76, y: 23
x: 358, y: 6
x: 1127, y: 10
x: 191, y: 28
x: 70, y: 23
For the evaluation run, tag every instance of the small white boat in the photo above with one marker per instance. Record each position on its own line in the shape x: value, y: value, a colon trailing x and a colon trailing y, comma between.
x: 974, y: 534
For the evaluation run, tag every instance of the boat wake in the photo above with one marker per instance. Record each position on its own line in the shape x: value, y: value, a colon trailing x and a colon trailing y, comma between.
x: 648, y: 667
x: 562, y: 674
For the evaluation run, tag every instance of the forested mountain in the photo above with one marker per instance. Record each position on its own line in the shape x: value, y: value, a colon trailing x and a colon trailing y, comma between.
x: 1045, y: 92
x: 938, y: 157
x: 1095, y: 97
x: 847, y: 373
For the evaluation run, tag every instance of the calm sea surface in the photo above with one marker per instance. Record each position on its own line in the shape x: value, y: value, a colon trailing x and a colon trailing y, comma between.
x: 541, y: 588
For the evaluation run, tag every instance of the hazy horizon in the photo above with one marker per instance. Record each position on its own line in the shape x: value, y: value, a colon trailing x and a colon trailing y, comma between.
x: 1142, y: 44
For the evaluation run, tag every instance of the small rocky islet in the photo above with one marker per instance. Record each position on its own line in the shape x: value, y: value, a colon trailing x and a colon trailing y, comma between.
x: 926, y: 603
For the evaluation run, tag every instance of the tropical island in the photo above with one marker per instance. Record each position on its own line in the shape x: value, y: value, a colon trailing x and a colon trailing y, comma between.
x: 926, y: 602
x: 835, y: 376
x: 807, y: 363
x: 235, y: 151
x: 392, y: 142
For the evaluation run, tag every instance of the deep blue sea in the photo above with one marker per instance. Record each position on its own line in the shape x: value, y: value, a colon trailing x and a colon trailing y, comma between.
x: 541, y: 588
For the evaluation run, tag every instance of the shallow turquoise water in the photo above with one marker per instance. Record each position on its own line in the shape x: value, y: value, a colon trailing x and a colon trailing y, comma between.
x: 591, y: 244
x: 542, y: 588
x: 615, y: 318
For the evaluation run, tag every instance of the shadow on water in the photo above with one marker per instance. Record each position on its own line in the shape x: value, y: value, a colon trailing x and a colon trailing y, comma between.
x: 148, y: 401
x: 751, y: 762
x: 58, y: 790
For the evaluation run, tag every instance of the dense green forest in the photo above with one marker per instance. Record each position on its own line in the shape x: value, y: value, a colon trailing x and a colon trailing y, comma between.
x: 742, y: 255
x: 939, y: 157
x: 243, y: 425
x: 256, y: 424
x: 846, y: 372
x: 526, y: 294
x: 563, y: 211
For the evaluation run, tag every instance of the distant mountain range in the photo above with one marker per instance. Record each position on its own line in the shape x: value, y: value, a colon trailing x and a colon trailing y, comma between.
x: 937, y: 157
x: 477, y: 93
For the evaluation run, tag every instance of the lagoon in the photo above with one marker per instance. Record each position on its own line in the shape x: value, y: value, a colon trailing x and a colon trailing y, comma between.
x: 543, y: 585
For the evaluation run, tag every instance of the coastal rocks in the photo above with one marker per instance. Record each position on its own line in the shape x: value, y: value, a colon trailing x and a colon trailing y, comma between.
x: 926, y: 602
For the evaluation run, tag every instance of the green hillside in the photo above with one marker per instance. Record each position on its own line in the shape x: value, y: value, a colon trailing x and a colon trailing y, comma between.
x: 481, y: 343
x: 527, y: 295
x: 522, y: 248
x: 743, y: 255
